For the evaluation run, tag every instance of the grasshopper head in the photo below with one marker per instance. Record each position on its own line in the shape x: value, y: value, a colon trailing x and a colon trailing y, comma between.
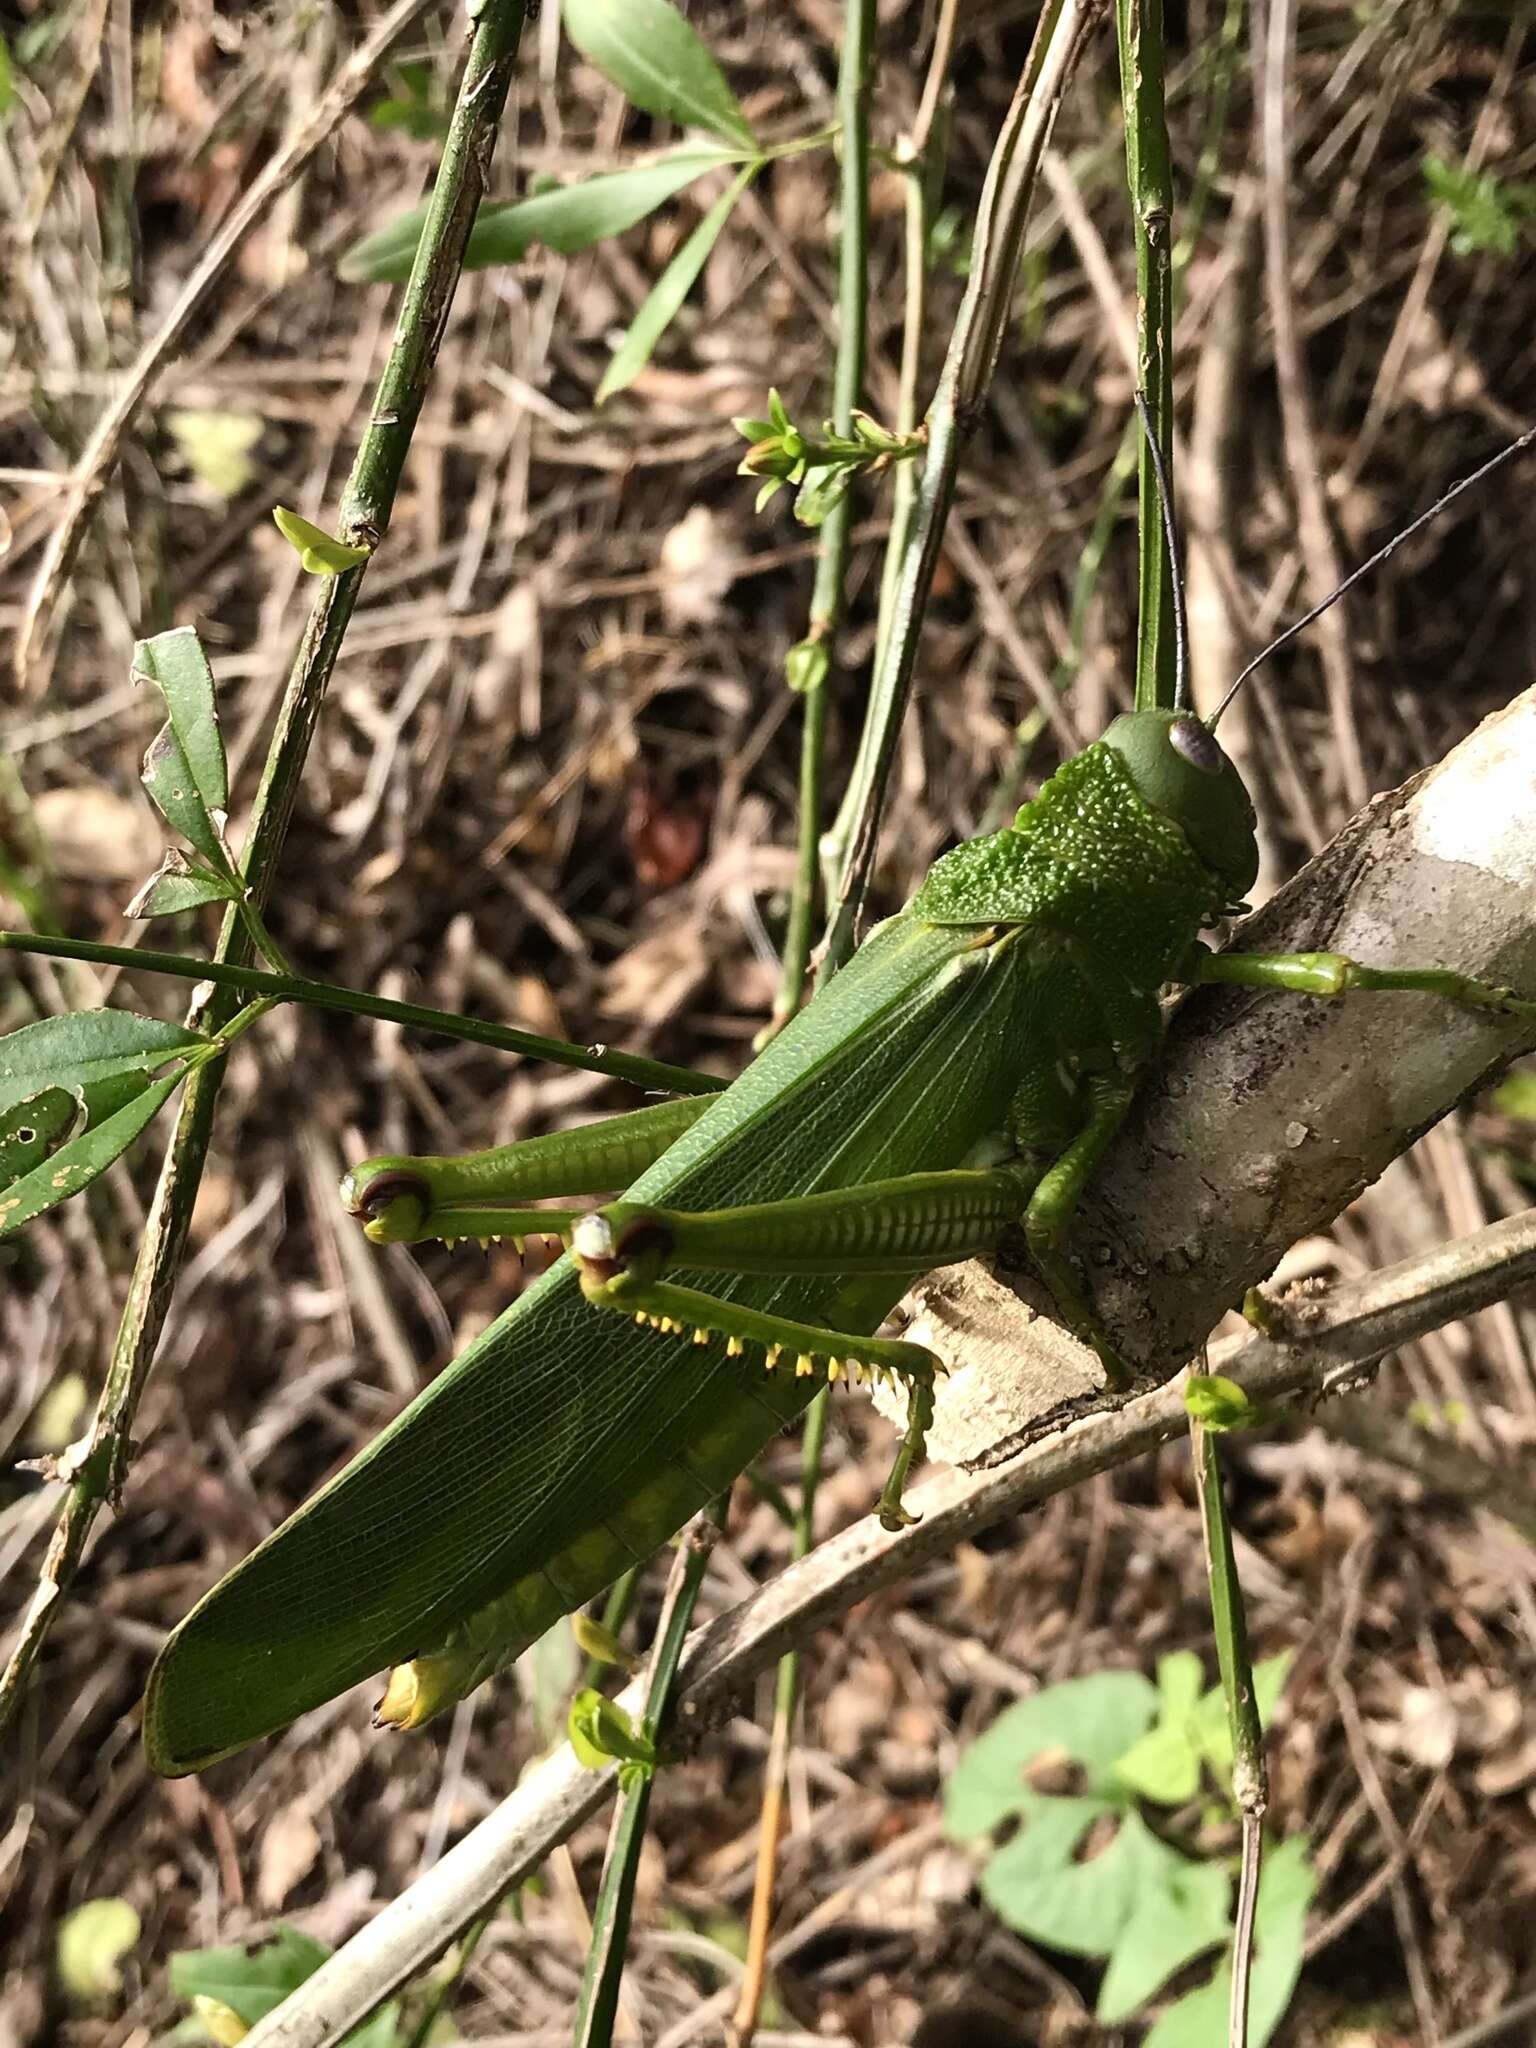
x: 1179, y: 768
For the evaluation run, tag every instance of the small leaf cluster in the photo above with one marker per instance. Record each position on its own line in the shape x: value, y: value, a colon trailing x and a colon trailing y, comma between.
x: 603, y: 1732
x: 1086, y: 1873
x: 822, y: 466
x: 649, y: 50
x: 1489, y: 213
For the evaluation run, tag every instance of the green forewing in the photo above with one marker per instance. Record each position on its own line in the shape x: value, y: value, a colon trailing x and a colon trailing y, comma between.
x: 530, y: 1455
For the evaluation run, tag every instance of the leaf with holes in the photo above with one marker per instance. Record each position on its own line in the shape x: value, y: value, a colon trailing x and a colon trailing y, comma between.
x: 649, y: 51
x: 176, y: 664
x: 31, y: 1130
x: 76, y: 1164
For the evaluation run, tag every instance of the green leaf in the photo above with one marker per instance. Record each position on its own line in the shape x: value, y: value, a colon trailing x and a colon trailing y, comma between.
x: 89, y: 1052
x: 320, y: 553
x: 176, y: 664
x: 602, y: 1732
x: 1081, y: 1908
x: 251, y: 1981
x: 567, y: 218
x: 216, y: 447
x: 1164, y: 1765
x: 1199, y: 2019
x: 92, y: 1942
x: 7, y: 82
x: 1093, y: 1721
x: 31, y: 1130
x: 806, y: 665
x: 601, y: 1644
x: 648, y: 50
x: 1218, y: 1402
x: 1210, y: 1724
x: 1183, y: 1910
x: 76, y: 1164
x: 669, y: 291
x: 178, y: 885
x: 825, y: 487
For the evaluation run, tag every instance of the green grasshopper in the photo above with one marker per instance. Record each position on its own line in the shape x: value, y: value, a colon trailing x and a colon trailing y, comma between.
x: 964, y: 1073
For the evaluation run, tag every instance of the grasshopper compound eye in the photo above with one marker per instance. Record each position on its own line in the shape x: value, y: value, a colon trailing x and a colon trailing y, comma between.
x: 1179, y: 768
x: 1198, y: 744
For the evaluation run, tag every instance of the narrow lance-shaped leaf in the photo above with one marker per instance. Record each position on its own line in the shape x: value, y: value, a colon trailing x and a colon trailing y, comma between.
x: 669, y: 291
x: 567, y: 218
x: 75, y: 1165
x: 176, y: 664
x: 172, y: 788
x: 87, y: 1052
x: 658, y: 61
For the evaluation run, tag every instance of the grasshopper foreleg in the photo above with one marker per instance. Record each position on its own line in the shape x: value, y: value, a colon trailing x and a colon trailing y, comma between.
x: 1335, y: 974
x: 478, y: 1194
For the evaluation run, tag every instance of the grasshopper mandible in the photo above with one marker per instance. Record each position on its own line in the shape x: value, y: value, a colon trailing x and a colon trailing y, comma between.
x: 965, y: 1072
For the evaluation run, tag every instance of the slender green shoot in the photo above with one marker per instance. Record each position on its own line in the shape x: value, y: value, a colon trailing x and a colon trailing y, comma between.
x: 963, y: 384
x: 1250, y: 1781
x: 1149, y: 173
x: 366, y: 505
x: 815, y: 654
x: 599, y: 1998
x: 654, y: 1075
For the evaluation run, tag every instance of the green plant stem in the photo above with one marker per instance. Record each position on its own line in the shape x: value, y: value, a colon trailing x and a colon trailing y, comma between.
x: 832, y: 554
x: 1250, y: 1784
x: 604, y: 1970
x: 786, y: 1694
x: 963, y: 383
x: 654, y: 1075
x: 365, y: 510
x: 1150, y: 176
x: 621, y: 1597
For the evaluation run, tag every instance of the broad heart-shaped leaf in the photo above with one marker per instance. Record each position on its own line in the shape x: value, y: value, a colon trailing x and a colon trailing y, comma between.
x: 669, y: 291
x: 176, y: 885
x: 251, y: 1981
x: 1199, y: 2019
x: 176, y: 663
x: 31, y: 1130
x: 649, y: 51
x: 76, y: 1164
x: 1184, y: 1909
x: 1092, y: 1720
x: 92, y: 1053
x: 1164, y: 1765
x: 172, y: 789
x: 568, y: 218
x: 320, y: 553
x: 1034, y: 1884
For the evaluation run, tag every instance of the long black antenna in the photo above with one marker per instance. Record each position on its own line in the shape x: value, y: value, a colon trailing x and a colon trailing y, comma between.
x: 1374, y: 562
x: 1171, y: 533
